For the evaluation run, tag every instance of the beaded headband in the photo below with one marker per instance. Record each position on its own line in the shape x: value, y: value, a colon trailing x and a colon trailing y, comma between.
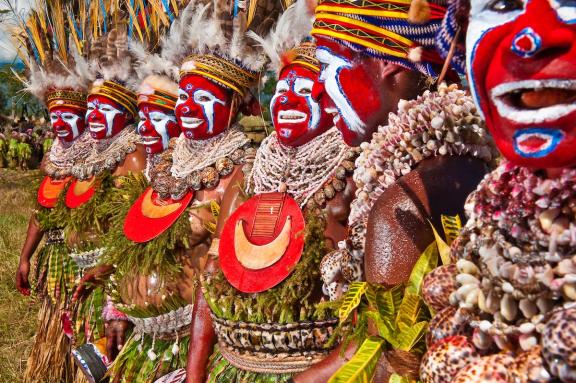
x: 118, y: 93
x: 159, y: 98
x: 221, y: 70
x: 65, y: 97
x: 382, y: 29
x: 305, y: 55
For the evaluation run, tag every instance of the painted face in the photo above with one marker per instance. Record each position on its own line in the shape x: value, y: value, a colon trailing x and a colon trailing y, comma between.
x: 105, y: 117
x: 203, y: 108
x: 350, y: 83
x: 298, y: 115
x: 67, y: 123
x: 522, y: 68
x: 157, y: 126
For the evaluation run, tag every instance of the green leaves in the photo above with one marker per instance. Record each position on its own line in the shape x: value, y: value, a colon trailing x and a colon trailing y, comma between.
x: 360, y: 369
x: 399, y: 315
x: 426, y: 263
x: 352, y: 299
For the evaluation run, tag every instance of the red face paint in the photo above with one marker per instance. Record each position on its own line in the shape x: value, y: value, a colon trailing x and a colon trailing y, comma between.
x: 522, y: 61
x: 157, y: 126
x: 351, y: 81
x: 298, y: 114
x: 204, y: 108
x: 105, y: 117
x: 67, y: 123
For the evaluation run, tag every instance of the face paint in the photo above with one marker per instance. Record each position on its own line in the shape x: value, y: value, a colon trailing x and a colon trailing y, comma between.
x: 105, y: 117
x: 203, y: 108
x: 67, y: 123
x: 521, y: 65
x: 157, y: 126
x: 351, y: 84
x: 299, y: 116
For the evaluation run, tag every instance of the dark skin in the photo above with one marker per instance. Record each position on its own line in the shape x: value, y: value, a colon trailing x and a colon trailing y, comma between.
x: 398, y: 229
x: 134, y: 162
x: 202, y: 336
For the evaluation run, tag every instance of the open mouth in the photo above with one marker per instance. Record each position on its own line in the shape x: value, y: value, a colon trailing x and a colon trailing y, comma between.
x: 149, y: 140
x: 62, y: 133
x: 535, y: 101
x: 334, y: 113
x: 291, y: 116
x: 537, y: 142
x: 191, y: 122
x: 95, y: 127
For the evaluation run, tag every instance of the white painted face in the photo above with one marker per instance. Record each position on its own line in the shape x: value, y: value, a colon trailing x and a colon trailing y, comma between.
x: 65, y: 125
x: 520, y: 62
x: 332, y: 65
x: 207, y: 101
x: 159, y: 121
x: 108, y: 110
x: 293, y: 108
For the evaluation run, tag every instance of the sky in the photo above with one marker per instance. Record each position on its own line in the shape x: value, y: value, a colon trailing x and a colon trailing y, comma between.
x: 7, y: 53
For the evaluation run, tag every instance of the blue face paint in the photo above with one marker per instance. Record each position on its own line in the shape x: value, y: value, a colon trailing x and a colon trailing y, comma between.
x: 551, y: 138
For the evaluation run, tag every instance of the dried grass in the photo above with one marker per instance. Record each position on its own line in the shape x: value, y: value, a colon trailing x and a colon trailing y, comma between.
x: 17, y: 313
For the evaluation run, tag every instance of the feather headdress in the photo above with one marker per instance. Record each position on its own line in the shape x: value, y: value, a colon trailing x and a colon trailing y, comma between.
x: 283, y: 45
x: 213, y: 44
x: 51, y: 42
x: 157, y: 72
x: 109, y: 57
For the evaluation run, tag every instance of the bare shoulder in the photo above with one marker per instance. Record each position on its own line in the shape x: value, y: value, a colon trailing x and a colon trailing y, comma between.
x: 398, y: 227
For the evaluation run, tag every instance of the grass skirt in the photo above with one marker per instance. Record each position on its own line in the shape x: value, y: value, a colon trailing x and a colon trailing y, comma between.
x: 144, y: 359
x: 221, y: 371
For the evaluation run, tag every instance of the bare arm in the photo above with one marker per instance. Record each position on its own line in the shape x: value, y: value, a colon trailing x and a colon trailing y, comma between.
x: 33, y: 238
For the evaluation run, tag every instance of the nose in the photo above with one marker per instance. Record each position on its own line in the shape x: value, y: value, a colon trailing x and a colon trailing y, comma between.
x: 94, y: 115
x: 547, y: 39
x: 317, y: 90
x: 59, y: 123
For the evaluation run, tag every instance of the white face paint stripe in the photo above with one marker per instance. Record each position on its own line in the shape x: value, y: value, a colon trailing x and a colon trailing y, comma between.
x: 207, y: 106
x: 304, y: 83
x: 482, y: 20
x: 161, y: 126
x: 330, y: 76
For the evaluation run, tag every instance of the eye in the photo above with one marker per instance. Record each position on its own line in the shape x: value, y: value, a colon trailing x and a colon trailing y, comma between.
x: 183, y: 97
x: 305, y: 91
x: 503, y: 6
x: 68, y: 116
x: 157, y: 119
x: 203, y: 99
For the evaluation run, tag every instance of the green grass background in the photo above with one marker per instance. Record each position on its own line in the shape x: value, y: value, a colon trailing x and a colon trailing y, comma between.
x: 17, y: 313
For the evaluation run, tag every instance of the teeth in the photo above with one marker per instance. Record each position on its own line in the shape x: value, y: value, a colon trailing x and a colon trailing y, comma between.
x: 532, y: 116
x: 291, y: 116
x: 191, y: 122
x: 94, y: 127
x: 149, y: 140
x: 62, y: 133
x: 332, y: 111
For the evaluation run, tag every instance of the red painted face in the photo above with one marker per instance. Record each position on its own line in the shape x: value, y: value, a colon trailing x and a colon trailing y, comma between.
x: 203, y: 108
x: 298, y: 115
x: 67, y: 123
x: 157, y: 126
x: 522, y: 67
x: 351, y: 83
x: 105, y: 117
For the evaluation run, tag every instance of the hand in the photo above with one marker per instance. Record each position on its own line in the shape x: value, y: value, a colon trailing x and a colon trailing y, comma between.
x: 89, y: 281
x: 115, y: 337
x: 22, y: 283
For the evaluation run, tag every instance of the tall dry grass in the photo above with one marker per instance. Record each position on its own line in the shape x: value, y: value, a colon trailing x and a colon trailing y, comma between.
x: 17, y: 313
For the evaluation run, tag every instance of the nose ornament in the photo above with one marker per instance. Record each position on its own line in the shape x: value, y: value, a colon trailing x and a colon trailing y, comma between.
x: 527, y: 43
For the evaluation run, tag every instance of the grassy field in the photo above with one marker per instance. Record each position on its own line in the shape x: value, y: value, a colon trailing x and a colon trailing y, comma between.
x: 17, y: 313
